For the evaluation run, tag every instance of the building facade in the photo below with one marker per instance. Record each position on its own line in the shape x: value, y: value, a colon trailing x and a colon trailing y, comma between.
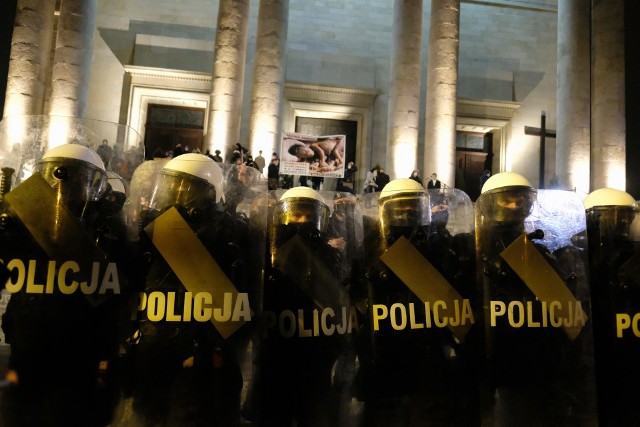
x: 213, y: 73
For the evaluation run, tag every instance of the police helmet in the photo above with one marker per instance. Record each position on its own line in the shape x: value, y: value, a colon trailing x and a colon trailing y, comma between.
x: 302, y: 205
x: 192, y: 181
x: 404, y: 203
x: 613, y: 212
x: 605, y: 197
x: 75, y: 172
x: 506, y: 197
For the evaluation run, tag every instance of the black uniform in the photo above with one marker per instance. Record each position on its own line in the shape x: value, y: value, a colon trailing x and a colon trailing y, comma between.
x: 615, y: 287
x: 422, y: 375
x: 308, y: 357
x: 194, y: 359
x: 185, y: 372
x: 539, y: 371
x: 66, y: 347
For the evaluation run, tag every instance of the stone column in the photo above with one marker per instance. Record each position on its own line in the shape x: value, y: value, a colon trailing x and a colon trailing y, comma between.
x: 268, y: 76
x: 404, y: 92
x: 442, y: 90
x: 223, y: 129
x: 29, y: 57
x: 573, y: 95
x: 608, y: 130
x: 72, y: 59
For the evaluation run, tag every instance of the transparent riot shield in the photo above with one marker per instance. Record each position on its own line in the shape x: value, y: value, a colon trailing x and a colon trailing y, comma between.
x: 532, y: 262
x: 420, y: 359
x: 202, y: 245
x: 312, y: 313
x: 24, y: 140
x: 614, y: 252
x: 66, y: 267
x: 141, y: 187
x: 68, y: 278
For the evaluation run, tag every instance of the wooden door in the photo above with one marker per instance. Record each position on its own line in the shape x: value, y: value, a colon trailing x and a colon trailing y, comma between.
x: 469, y: 167
x: 168, y: 126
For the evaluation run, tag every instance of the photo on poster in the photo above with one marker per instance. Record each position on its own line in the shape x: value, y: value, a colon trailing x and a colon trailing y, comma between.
x: 312, y: 155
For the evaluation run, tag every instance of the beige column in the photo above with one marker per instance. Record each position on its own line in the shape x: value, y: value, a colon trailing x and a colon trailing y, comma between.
x: 573, y: 96
x: 223, y: 129
x: 268, y: 76
x: 404, y: 92
x: 442, y: 90
x: 29, y: 57
x: 72, y: 59
x: 608, y: 130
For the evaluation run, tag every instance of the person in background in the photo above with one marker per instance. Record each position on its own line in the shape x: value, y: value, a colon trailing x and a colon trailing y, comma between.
x: 484, y: 177
x: 273, y: 173
x: 370, y: 181
x: 382, y: 179
x: 250, y: 162
x: 316, y: 182
x: 105, y: 152
x: 259, y: 161
x: 178, y: 150
x: 433, y: 182
x: 415, y: 175
x: 349, y: 174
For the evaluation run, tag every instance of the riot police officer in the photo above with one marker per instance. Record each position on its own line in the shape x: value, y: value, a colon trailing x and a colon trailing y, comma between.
x: 195, y: 309
x: 308, y: 362
x: 63, y: 322
x: 419, y: 366
x: 614, y: 249
x: 531, y: 260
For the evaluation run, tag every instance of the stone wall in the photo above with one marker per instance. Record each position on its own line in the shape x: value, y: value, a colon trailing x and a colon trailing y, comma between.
x: 507, y: 52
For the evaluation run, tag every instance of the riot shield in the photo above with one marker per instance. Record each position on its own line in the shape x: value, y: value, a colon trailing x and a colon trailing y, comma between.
x: 65, y: 258
x: 141, y: 187
x: 202, y: 244
x: 24, y: 139
x: 532, y: 262
x: 614, y: 254
x: 309, y: 359
x: 420, y: 361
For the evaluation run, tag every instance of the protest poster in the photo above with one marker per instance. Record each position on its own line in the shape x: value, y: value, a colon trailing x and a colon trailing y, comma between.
x: 312, y: 155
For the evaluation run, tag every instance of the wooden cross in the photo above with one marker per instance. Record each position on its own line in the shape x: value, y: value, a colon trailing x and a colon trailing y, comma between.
x: 542, y: 132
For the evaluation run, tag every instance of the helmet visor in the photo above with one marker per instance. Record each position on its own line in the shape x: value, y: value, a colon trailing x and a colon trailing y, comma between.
x: 405, y: 210
x: 74, y: 181
x: 302, y: 211
x: 185, y: 190
x: 507, y: 205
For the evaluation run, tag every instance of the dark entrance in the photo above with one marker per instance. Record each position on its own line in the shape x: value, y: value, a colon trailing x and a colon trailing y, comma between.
x: 319, y: 127
x: 168, y: 125
x: 473, y: 155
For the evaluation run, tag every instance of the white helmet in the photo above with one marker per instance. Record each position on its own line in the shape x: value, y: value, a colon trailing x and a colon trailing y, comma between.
x: 506, y: 197
x: 302, y: 191
x: 604, y: 197
x: 76, y: 172
x: 404, y: 203
x: 504, y: 180
x: 401, y: 185
x: 612, y: 213
x: 189, y: 180
x: 302, y: 205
